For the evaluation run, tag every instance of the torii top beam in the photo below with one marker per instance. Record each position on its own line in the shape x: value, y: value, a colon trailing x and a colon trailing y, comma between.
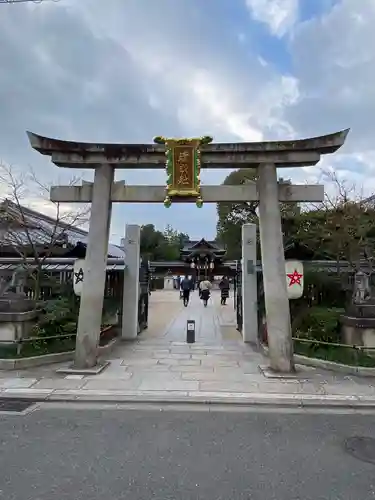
x: 296, y: 153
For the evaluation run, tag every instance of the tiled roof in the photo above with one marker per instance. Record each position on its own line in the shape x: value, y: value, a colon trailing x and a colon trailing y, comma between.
x: 190, y: 244
x: 44, y: 230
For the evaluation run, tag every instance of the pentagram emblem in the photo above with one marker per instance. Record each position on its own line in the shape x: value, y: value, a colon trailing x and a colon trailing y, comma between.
x: 79, y: 276
x: 295, y: 278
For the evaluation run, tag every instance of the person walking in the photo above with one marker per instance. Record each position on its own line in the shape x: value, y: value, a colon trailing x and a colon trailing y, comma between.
x: 199, y: 289
x: 224, y: 289
x: 186, y: 288
x: 205, y: 288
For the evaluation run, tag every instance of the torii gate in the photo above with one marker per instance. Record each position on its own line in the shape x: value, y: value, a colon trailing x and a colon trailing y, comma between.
x: 183, y: 159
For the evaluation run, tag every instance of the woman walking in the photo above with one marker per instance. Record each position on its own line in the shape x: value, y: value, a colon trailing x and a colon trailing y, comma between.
x: 205, y: 287
x: 224, y: 288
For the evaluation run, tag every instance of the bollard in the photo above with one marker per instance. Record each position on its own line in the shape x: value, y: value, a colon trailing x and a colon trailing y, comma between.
x: 190, y: 331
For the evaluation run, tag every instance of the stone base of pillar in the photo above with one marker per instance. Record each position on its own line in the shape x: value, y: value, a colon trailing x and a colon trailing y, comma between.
x: 268, y: 372
x: 95, y: 370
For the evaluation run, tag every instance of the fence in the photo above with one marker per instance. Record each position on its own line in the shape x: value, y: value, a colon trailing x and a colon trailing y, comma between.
x: 52, y: 282
x: 353, y: 355
x: 59, y: 272
x: 56, y: 274
x: 316, y: 291
x: 319, y: 289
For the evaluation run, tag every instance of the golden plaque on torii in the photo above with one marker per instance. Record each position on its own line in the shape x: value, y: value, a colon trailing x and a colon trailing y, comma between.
x: 183, y: 165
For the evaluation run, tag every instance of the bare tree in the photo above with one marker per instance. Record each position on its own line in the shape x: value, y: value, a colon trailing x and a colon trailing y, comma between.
x: 32, y: 235
x: 342, y: 226
x: 349, y: 225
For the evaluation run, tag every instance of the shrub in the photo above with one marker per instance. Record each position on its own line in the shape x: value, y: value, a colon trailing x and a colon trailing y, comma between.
x: 57, y: 316
x: 320, y: 323
x: 344, y: 355
x: 324, y: 288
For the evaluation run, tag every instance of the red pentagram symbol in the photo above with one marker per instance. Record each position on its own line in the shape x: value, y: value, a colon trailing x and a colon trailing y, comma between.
x: 295, y: 278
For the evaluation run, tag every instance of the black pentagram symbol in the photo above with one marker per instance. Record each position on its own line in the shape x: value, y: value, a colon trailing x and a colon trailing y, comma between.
x: 79, y: 276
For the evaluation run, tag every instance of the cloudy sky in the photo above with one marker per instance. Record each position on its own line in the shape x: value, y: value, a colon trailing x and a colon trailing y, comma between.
x: 240, y: 70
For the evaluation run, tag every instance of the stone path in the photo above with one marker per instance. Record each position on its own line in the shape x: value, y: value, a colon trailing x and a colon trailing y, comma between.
x: 160, y: 365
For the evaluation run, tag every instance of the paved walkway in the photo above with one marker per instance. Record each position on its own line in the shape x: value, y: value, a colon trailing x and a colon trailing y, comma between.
x: 160, y: 365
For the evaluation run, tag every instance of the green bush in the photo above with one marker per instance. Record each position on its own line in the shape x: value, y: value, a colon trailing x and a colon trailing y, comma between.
x: 319, y: 323
x: 322, y: 324
x: 325, y: 288
x: 57, y: 317
x: 343, y: 355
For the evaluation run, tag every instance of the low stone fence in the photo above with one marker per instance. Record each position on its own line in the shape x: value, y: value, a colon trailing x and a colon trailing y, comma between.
x: 50, y: 358
x: 362, y: 371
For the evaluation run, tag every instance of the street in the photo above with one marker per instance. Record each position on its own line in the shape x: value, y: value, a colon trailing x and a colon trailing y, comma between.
x: 63, y: 451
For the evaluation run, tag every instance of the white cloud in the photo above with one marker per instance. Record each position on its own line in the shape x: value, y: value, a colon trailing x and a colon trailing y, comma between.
x: 200, y: 84
x: 127, y: 71
x: 334, y: 61
x: 279, y: 15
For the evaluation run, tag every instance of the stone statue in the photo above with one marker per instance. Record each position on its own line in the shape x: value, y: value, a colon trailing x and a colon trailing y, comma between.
x: 12, y: 296
x: 362, y: 288
x: 358, y: 322
x: 11, y: 287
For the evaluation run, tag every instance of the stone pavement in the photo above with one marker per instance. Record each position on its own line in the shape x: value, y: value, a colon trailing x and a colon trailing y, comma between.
x: 161, y: 366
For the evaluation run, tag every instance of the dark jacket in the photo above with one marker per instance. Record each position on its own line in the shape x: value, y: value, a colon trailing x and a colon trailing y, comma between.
x: 185, y: 284
x: 224, y: 287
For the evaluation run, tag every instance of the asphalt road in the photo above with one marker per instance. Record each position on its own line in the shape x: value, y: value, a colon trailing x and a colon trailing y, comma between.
x: 94, y: 454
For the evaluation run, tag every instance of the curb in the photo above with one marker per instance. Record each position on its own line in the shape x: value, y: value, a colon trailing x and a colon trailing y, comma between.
x: 50, y: 359
x: 242, y: 400
x: 359, y: 371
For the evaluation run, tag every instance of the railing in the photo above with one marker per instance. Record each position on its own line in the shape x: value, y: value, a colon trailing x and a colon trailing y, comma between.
x: 354, y: 358
x: 53, y: 282
x: 22, y: 341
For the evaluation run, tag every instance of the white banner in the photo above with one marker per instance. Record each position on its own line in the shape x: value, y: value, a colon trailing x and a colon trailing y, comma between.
x: 78, y: 275
x: 294, y: 278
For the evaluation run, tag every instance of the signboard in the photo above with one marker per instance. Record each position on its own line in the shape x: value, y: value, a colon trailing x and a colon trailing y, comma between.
x: 190, y: 331
x: 294, y: 278
x: 78, y: 276
x: 183, y: 166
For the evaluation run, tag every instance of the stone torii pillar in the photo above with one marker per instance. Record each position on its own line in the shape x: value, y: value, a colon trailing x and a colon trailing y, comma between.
x: 273, y: 266
x: 92, y: 296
